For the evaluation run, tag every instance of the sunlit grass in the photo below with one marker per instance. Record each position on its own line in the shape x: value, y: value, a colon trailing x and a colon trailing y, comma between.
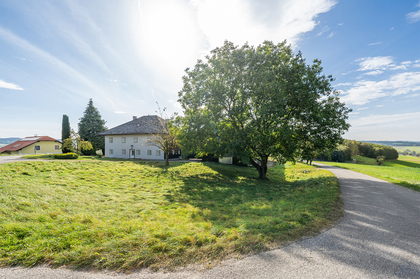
x: 126, y: 215
x: 405, y: 171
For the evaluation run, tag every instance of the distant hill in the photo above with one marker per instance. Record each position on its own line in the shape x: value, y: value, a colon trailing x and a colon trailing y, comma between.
x: 395, y: 143
x: 6, y: 141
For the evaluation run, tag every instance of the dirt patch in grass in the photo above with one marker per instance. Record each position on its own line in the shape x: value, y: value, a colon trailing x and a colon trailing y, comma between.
x: 130, y: 215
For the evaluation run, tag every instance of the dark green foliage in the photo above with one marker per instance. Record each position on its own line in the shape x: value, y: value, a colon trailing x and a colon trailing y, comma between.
x: 65, y: 132
x: 90, y: 125
x: 257, y: 102
x: 374, y: 150
x: 380, y: 160
x: 66, y: 156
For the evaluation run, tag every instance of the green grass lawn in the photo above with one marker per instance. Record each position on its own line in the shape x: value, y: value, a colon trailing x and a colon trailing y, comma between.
x: 405, y: 171
x: 82, y: 158
x: 128, y: 215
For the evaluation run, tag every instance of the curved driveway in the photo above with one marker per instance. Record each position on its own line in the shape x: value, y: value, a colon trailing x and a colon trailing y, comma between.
x: 379, y: 237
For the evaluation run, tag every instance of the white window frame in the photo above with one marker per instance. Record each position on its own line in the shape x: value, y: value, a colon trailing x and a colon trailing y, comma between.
x: 111, y: 151
x: 56, y: 147
x: 124, y: 152
x: 157, y: 152
x: 136, y: 140
x: 37, y: 147
x: 138, y: 152
x: 111, y: 139
x: 149, y: 152
x: 123, y: 139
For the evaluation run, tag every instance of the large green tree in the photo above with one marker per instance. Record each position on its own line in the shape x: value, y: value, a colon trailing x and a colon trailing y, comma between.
x: 65, y: 131
x: 90, y: 125
x: 257, y: 102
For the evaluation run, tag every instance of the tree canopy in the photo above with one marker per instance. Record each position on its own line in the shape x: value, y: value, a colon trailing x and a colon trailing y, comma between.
x: 90, y: 125
x: 257, y: 102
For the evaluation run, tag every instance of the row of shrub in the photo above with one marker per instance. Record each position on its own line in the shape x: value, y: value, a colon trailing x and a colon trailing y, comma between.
x: 372, y: 150
x: 66, y: 156
x: 349, y: 148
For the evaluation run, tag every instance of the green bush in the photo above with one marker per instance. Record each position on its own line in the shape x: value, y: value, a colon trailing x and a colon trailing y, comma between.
x: 66, y: 156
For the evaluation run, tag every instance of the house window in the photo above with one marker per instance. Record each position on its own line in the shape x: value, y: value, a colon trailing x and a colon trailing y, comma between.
x: 157, y: 152
x: 111, y: 139
x: 123, y: 140
x: 149, y: 152
x: 37, y: 147
x: 56, y: 147
x: 137, y: 152
x: 136, y: 140
x: 123, y: 151
x: 179, y: 151
x: 111, y: 151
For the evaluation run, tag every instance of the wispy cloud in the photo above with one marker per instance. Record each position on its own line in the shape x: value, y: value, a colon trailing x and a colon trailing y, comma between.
x: 325, y: 29
x: 119, y: 112
x: 331, y: 34
x: 241, y: 21
x: 374, y: 73
x: 373, y: 120
x: 377, y: 43
x: 8, y: 85
x: 374, y: 63
x: 413, y: 16
x: 365, y: 91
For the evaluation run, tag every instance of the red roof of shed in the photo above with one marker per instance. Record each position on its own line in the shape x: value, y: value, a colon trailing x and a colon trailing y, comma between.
x: 22, y: 143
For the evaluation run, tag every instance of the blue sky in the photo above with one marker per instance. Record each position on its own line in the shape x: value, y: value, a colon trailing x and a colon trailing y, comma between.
x: 127, y: 55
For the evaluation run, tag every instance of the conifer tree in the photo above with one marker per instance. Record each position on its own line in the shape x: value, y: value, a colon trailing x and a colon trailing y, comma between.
x: 90, y: 125
x: 65, y: 131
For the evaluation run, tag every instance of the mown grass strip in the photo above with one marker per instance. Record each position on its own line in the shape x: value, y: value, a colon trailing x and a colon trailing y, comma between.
x: 404, y: 172
x: 127, y: 215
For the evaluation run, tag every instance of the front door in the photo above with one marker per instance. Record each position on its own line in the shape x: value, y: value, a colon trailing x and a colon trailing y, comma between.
x: 132, y: 153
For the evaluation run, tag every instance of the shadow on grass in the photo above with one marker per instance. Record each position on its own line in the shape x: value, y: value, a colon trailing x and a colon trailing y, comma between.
x: 260, y: 213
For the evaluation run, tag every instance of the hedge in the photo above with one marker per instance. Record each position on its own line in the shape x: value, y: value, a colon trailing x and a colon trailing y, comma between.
x: 66, y: 156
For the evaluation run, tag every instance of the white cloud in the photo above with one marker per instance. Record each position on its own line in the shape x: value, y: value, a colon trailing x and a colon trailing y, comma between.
x: 377, y: 43
x: 413, y: 16
x: 363, y: 108
x: 392, y: 119
x: 340, y: 24
x: 8, y: 85
x: 392, y: 28
x: 331, y: 34
x: 374, y: 63
x: 256, y: 21
x: 119, y: 112
x: 344, y: 84
x: 395, y: 67
x: 379, y: 106
x: 373, y: 73
x: 325, y: 29
x: 364, y: 91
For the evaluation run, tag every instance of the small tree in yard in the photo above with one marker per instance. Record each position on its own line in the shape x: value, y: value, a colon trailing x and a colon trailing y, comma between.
x: 90, y: 125
x: 166, y: 140
x: 75, y: 143
x: 259, y: 102
x: 65, y: 132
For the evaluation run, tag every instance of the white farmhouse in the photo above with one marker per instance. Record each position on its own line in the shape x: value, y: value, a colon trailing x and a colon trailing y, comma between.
x: 131, y: 140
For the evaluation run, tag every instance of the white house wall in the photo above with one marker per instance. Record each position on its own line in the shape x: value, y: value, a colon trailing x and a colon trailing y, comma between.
x: 117, y: 147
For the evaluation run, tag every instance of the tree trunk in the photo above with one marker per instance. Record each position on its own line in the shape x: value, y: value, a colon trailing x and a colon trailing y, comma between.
x: 262, y: 169
x: 167, y: 159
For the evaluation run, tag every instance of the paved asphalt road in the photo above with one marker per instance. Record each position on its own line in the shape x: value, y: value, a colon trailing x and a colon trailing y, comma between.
x: 379, y: 237
x: 11, y: 159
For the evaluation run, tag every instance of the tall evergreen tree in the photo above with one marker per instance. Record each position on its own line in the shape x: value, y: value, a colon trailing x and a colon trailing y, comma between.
x: 65, y: 131
x: 90, y: 125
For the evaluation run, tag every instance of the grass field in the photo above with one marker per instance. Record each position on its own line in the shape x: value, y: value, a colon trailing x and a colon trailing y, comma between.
x: 126, y: 215
x: 411, y: 148
x: 405, y: 171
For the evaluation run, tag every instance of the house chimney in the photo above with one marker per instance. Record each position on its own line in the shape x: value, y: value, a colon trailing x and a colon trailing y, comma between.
x: 134, y: 117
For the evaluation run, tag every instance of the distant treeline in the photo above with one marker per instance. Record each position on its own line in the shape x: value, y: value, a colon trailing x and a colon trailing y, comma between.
x: 350, y: 148
x: 396, y: 143
x: 8, y: 140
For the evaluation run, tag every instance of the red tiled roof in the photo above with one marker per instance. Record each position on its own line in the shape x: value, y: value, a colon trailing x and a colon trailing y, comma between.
x: 22, y: 143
